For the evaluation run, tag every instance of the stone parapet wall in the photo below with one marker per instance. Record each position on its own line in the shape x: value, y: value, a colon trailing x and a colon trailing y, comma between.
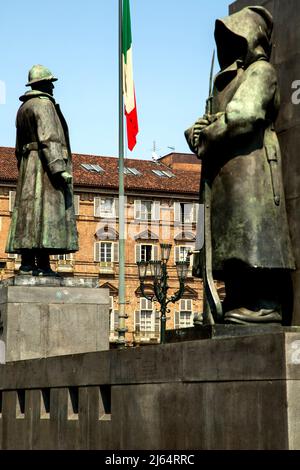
x: 226, y: 393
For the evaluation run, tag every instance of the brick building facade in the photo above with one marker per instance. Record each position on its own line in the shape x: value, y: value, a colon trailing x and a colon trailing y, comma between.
x: 161, y: 206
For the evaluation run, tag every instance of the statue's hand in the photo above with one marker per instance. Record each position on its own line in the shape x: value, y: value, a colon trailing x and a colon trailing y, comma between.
x: 66, y: 177
x: 199, y: 125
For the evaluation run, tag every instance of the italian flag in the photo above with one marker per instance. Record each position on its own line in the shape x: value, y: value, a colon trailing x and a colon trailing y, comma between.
x: 128, y: 84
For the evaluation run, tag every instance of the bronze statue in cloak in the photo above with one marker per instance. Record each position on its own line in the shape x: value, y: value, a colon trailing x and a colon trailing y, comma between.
x: 43, y: 220
x: 241, y: 159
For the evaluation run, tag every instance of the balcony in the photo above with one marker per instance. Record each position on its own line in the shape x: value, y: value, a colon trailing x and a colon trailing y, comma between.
x: 106, y: 267
x: 64, y: 266
x: 146, y: 336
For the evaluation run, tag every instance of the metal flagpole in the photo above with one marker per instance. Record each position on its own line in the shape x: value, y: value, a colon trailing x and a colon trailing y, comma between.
x: 122, y: 315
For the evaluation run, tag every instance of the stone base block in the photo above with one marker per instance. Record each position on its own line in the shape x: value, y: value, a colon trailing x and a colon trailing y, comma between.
x: 41, y: 320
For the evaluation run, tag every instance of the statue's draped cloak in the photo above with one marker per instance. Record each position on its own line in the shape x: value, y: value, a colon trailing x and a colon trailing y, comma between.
x: 43, y: 216
x: 240, y: 153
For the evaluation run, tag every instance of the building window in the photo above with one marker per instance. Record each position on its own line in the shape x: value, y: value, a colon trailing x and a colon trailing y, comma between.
x: 163, y: 173
x: 113, y: 318
x: 132, y: 171
x: 63, y: 257
x: 184, y: 318
x: 76, y: 204
x: 146, y: 252
x: 106, y: 252
x: 147, y: 315
x: 92, y: 168
x: 11, y: 200
x: 105, y: 207
x: 147, y: 320
x: 181, y: 252
x: 147, y: 210
x: 185, y: 213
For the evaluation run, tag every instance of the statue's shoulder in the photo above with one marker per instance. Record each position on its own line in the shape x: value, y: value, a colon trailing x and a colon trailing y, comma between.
x: 37, y: 98
x: 263, y: 71
x: 261, y: 67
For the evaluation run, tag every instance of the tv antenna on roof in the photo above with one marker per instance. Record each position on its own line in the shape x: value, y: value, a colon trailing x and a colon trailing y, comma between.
x: 154, y: 152
x: 171, y: 148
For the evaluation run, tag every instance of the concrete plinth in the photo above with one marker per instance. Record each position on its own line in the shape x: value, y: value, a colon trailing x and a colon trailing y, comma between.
x: 42, y: 318
x: 238, y: 393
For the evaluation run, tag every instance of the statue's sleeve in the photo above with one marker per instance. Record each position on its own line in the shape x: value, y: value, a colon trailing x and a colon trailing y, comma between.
x: 49, y: 136
x: 18, y: 151
x: 247, y: 110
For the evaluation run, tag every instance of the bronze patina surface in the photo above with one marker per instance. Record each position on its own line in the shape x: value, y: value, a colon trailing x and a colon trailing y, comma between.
x: 241, y: 160
x: 43, y: 219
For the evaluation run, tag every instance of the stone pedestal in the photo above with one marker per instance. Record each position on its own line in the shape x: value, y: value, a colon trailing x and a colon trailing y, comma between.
x: 224, y: 393
x: 44, y: 317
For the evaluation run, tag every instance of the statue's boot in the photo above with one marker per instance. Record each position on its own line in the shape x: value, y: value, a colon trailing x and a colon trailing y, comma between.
x: 244, y: 316
x: 43, y: 266
x: 27, y: 263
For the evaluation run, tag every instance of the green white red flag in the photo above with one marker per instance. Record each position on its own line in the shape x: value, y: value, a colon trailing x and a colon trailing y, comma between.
x: 128, y: 84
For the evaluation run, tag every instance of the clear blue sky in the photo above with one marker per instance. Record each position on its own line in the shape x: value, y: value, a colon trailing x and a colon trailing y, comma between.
x: 78, y: 40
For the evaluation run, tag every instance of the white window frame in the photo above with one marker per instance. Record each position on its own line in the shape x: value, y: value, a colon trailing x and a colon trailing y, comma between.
x: 185, y: 308
x: 147, y: 308
x: 113, y: 317
x: 76, y: 204
x: 177, y: 252
x: 180, y: 212
x: 151, y: 214
x: 11, y: 200
x: 63, y: 257
x: 114, y: 252
x: 99, y: 202
x: 178, y: 257
x: 138, y: 252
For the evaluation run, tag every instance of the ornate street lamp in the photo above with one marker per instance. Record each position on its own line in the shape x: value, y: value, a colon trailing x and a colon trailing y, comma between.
x: 160, y: 285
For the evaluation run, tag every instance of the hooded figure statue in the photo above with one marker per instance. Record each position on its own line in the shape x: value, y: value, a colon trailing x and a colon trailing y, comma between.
x: 241, y: 160
x: 43, y: 219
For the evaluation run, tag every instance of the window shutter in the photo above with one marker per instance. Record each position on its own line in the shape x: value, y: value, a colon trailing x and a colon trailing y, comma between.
x: 155, y: 210
x: 177, y: 253
x: 195, y: 212
x: 137, y: 321
x: 116, y: 320
x: 97, y: 206
x: 97, y: 251
x: 157, y: 322
x: 137, y: 253
x: 137, y: 208
x: 76, y: 204
x: 116, y: 252
x: 116, y: 207
x: 154, y: 253
x: 176, y: 320
x: 177, y: 212
x: 11, y: 200
x: 145, y: 304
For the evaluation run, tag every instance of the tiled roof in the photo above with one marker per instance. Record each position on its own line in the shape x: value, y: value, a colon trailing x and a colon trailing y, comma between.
x: 182, y: 182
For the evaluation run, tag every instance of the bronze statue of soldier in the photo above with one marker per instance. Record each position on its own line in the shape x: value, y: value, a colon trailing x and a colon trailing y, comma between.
x: 241, y: 161
x: 43, y: 220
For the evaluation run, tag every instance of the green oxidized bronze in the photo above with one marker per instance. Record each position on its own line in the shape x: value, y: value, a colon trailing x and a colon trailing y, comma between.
x: 43, y: 219
x: 241, y: 163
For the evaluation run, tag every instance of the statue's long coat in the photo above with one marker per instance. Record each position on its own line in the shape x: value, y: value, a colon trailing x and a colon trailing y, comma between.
x: 43, y: 216
x: 240, y: 153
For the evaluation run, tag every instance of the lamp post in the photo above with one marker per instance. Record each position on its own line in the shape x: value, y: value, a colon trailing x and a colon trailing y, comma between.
x: 160, y: 285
